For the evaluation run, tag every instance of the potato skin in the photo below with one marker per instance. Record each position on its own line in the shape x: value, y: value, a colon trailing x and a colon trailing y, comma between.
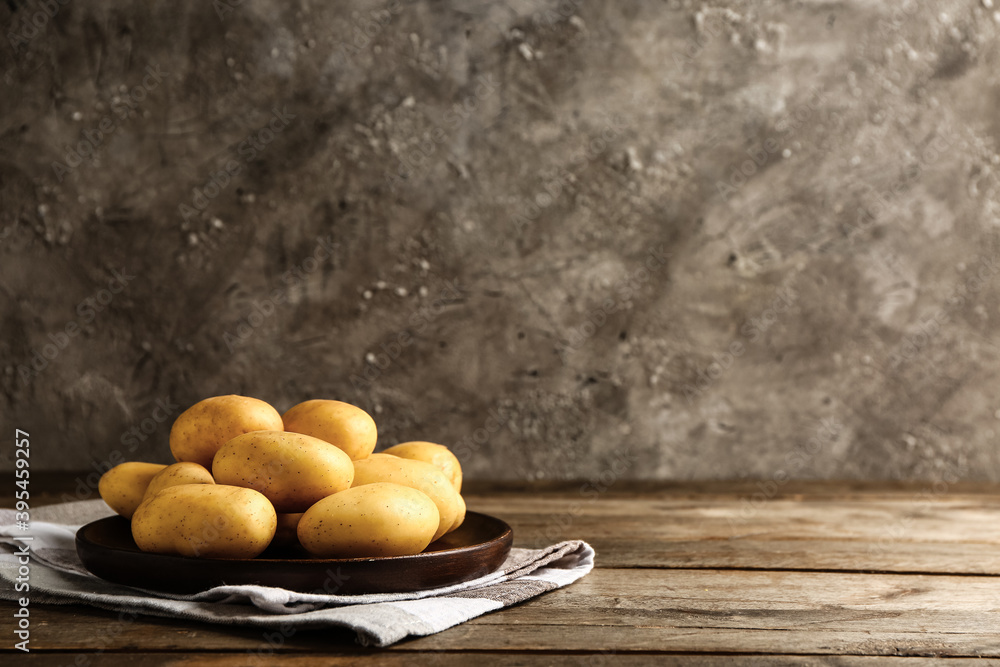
x: 460, y: 516
x: 341, y: 424
x: 176, y: 474
x: 203, y: 428
x: 124, y: 486
x: 437, y: 455
x: 416, y: 475
x: 294, y: 471
x: 379, y: 519
x: 205, y: 520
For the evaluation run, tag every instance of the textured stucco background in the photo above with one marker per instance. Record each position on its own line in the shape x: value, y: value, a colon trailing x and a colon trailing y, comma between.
x: 654, y: 240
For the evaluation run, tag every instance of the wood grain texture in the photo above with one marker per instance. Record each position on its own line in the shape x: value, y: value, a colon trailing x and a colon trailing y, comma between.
x: 902, y: 534
x: 626, y: 610
x: 841, y: 577
x: 491, y: 658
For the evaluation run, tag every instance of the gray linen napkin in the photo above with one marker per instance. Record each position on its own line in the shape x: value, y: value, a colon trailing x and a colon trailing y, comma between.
x: 58, y: 577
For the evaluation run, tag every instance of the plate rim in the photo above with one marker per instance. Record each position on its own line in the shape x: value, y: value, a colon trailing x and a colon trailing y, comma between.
x: 506, y: 532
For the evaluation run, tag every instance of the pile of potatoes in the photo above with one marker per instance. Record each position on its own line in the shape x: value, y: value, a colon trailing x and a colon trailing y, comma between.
x: 248, y: 477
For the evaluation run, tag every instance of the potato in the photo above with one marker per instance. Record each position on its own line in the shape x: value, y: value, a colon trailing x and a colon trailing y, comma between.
x: 460, y: 516
x: 205, y: 520
x: 176, y: 474
x: 284, y: 535
x: 292, y: 470
x: 123, y: 487
x: 377, y: 519
x: 416, y: 475
x: 200, y: 430
x: 348, y: 427
x: 438, y: 456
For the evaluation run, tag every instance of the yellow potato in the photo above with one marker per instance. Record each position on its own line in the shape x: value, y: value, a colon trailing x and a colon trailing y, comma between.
x: 284, y: 535
x: 123, y: 487
x: 206, y: 520
x: 347, y: 426
x: 460, y: 517
x: 292, y: 470
x: 207, y: 425
x: 438, y: 456
x: 373, y: 520
x: 416, y: 475
x: 176, y: 474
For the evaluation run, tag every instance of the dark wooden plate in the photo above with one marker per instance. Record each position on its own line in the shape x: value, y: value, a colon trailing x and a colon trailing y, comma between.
x: 479, y: 546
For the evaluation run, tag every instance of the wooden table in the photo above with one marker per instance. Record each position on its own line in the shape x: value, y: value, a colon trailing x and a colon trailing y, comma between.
x: 705, y: 574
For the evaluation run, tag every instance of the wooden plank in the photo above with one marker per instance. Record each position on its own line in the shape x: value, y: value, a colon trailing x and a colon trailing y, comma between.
x: 749, y: 612
x: 537, y: 637
x: 803, y: 555
x: 682, y: 603
x: 627, y: 610
x: 942, y: 519
x: 463, y: 659
x: 943, y: 535
x: 766, y: 600
x: 85, y: 628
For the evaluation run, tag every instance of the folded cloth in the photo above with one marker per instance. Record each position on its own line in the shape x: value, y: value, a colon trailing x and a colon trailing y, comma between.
x: 57, y: 576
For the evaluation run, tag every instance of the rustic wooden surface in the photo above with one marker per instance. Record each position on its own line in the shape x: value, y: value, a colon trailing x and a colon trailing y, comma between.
x: 702, y: 574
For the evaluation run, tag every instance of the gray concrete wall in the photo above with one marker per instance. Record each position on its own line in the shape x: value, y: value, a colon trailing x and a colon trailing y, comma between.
x: 654, y: 240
